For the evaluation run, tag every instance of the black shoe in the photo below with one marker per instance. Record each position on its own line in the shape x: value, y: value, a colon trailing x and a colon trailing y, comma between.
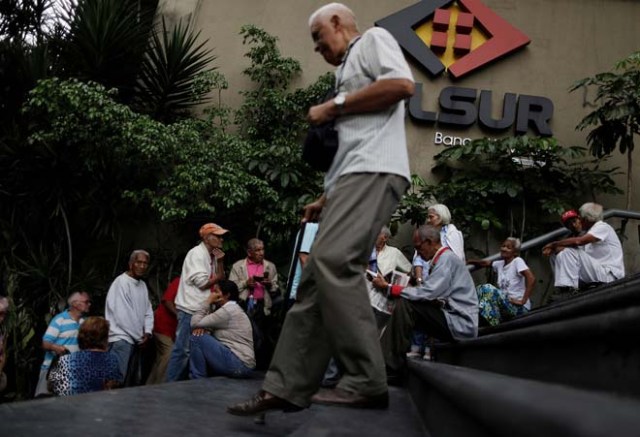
x: 563, y: 293
x: 344, y: 398
x: 259, y: 403
x: 590, y: 285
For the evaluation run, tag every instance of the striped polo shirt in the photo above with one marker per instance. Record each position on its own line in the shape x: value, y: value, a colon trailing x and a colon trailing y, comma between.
x: 372, y: 142
x: 62, y: 331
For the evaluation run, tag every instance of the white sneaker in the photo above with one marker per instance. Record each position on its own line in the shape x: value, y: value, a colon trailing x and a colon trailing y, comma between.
x: 427, y: 355
x: 413, y: 354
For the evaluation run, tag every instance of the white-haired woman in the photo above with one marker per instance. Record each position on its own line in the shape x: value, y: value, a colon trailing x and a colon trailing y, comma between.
x: 438, y: 215
x: 515, y: 284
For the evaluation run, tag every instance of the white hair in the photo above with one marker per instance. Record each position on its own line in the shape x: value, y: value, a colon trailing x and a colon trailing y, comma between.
x: 515, y: 242
x: 332, y: 9
x: 441, y: 211
x: 75, y: 296
x: 429, y: 232
x: 135, y: 253
x: 591, y: 212
x: 4, y: 303
x: 385, y: 231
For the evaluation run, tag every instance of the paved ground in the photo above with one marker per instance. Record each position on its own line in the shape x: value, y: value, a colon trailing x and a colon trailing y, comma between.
x: 193, y: 408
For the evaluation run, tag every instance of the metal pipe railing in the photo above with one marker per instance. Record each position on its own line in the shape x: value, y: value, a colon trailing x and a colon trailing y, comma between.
x: 550, y: 236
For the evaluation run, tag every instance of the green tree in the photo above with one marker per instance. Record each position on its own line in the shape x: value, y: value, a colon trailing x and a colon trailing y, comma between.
x: 172, y: 63
x: 272, y: 120
x: 617, y: 116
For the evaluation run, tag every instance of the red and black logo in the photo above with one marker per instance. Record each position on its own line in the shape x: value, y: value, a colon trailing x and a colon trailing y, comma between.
x: 462, y: 35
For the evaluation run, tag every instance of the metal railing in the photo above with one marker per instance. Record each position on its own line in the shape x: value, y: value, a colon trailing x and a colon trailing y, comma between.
x: 553, y: 235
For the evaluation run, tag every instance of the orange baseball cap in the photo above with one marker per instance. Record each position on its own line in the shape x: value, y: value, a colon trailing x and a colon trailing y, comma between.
x: 212, y: 228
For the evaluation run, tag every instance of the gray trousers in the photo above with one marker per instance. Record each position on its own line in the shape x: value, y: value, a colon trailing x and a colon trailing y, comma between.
x: 332, y: 315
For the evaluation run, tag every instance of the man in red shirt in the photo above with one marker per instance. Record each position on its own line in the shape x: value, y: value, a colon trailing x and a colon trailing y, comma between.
x: 164, y: 332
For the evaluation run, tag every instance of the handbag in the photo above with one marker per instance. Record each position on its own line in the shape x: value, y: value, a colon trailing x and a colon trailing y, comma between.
x: 321, y: 143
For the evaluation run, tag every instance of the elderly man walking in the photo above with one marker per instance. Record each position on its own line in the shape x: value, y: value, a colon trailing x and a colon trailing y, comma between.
x: 129, y: 313
x: 370, y: 173
x: 201, y: 269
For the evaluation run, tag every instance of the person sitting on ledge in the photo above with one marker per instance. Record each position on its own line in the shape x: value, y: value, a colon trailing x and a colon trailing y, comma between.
x: 515, y: 284
x: 571, y: 220
x: 91, y: 368
x: 228, y: 349
x: 445, y: 306
x: 601, y: 261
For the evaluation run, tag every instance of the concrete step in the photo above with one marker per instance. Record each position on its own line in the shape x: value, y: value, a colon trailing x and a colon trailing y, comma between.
x: 460, y: 402
x: 599, y: 351
x: 619, y: 294
x: 196, y: 408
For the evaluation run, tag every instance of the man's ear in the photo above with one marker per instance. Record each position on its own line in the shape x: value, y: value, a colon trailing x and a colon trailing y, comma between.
x: 335, y: 21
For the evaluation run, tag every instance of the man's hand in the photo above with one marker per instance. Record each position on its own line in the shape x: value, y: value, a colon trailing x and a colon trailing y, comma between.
x: 198, y: 332
x: 144, y: 341
x: 379, y: 282
x: 217, y: 253
x: 211, y: 300
x: 516, y: 301
x: 548, y: 250
x: 266, y: 283
x: 312, y: 211
x: 322, y: 113
x: 251, y: 282
x: 61, y: 350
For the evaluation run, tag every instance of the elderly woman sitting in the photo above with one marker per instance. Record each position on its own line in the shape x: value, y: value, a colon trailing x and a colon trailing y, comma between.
x: 92, y: 368
x: 438, y: 215
x: 515, y: 284
x: 227, y: 348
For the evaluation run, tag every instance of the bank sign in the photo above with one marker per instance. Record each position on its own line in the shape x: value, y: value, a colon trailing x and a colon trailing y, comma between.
x: 461, y: 37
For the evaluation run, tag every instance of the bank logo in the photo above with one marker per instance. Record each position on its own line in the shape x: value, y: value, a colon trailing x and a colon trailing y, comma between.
x: 459, y: 36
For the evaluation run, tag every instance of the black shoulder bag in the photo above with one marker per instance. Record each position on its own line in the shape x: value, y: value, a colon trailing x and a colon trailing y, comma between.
x: 321, y: 143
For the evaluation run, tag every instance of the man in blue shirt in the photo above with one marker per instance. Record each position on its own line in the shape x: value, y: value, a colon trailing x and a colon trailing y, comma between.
x: 61, y: 337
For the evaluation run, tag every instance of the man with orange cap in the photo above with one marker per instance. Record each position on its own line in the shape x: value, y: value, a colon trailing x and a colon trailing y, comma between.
x: 202, y: 268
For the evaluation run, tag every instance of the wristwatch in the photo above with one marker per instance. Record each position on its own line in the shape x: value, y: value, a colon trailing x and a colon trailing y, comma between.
x: 339, y: 100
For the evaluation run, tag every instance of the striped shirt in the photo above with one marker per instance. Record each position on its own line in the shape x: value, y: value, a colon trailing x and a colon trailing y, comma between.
x: 62, y: 331
x: 371, y: 142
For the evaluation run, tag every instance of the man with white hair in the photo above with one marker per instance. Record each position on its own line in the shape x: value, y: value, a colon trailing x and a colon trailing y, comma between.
x: 128, y: 311
x: 601, y: 261
x: 368, y: 176
x: 61, y: 336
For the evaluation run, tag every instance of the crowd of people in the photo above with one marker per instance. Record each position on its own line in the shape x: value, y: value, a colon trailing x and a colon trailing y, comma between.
x: 354, y: 300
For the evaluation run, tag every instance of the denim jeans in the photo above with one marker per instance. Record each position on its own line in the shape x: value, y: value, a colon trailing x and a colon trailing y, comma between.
x: 209, y: 357
x: 179, y: 361
x: 122, y: 351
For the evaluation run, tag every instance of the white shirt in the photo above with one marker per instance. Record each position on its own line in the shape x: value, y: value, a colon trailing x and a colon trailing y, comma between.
x: 388, y: 260
x: 372, y: 142
x: 607, y: 251
x: 128, y: 310
x: 197, y: 268
x: 510, y: 278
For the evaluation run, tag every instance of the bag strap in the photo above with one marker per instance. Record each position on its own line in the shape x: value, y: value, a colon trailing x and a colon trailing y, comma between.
x: 436, y: 257
x: 344, y: 63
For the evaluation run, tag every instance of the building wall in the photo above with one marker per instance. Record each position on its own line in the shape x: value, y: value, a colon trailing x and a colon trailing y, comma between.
x: 570, y: 39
